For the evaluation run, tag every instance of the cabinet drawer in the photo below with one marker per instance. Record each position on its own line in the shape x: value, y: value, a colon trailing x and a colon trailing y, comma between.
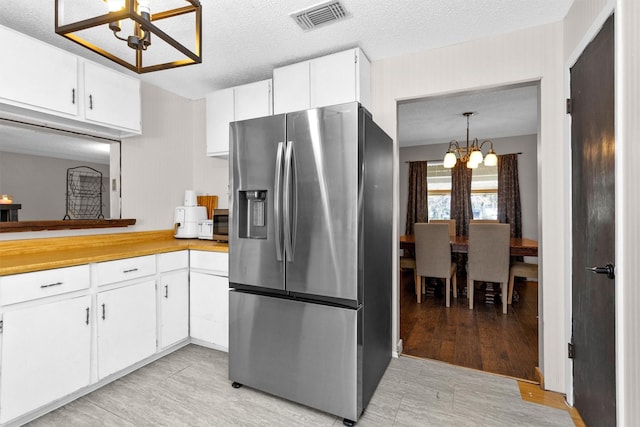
x: 126, y: 269
x: 216, y: 262
x: 40, y: 284
x: 173, y: 261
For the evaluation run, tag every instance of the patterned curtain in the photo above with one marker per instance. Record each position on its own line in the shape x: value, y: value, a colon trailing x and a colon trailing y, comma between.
x: 417, y: 208
x: 461, y: 197
x: 509, y: 209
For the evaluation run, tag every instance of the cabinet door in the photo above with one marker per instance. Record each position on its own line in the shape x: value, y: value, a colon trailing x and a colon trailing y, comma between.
x: 210, y: 309
x: 291, y: 88
x: 252, y: 100
x: 36, y: 74
x: 174, y: 307
x: 333, y: 79
x: 111, y: 98
x: 126, y: 326
x: 219, y: 115
x: 46, y: 353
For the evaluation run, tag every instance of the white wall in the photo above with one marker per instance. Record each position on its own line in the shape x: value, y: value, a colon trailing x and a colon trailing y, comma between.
x: 527, y: 172
x: 157, y: 166
x: 529, y: 55
x: 167, y: 159
x: 210, y: 174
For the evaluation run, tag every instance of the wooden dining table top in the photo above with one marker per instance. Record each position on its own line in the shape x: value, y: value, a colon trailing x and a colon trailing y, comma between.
x: 460, y: 244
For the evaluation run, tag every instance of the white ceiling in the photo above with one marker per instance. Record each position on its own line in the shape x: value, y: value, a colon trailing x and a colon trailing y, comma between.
x: 498, y: 113
x: 243, y: 40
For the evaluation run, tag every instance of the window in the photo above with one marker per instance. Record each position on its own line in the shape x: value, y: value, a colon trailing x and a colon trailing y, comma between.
x: 484, y: 191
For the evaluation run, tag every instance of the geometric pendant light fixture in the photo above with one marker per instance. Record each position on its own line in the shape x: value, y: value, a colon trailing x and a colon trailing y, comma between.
x: 141, y: 35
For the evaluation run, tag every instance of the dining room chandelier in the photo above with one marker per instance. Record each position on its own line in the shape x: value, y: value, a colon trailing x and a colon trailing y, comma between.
x: 135, y: 33
x: 471, y: 154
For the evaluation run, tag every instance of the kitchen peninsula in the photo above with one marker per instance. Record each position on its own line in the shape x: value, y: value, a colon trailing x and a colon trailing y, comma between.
x: 79, y: 312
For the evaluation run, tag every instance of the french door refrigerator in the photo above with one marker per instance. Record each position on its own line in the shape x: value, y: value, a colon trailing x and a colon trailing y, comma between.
x: 310, y: 256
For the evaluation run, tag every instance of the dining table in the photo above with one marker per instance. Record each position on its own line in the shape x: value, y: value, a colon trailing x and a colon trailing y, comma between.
x: 460, y: 244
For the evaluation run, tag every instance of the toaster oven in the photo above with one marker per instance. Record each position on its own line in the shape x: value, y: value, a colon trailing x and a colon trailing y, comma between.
x: 220, y: 225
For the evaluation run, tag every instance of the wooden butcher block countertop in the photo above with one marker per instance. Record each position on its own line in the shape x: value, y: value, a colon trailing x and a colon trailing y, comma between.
x: 23, y: 256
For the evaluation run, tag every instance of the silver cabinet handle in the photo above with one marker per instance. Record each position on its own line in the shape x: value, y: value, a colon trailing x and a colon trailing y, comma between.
x: 87, y: 321
x: 51, y: 284
x: 91, y: 102
x: 73, y: 96
x: 131, y: 270
x: 166, y: 291
x: 104, y: 312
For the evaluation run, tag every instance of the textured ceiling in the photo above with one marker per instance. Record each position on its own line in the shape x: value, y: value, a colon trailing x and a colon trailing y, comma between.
x: 498, y: 113
x: 243, y: 40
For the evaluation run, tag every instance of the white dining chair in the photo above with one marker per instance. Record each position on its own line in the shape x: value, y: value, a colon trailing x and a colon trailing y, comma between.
x: 488, y: 258
x: 433, y: 257
x: 520, y: 269
x: 450, y: 222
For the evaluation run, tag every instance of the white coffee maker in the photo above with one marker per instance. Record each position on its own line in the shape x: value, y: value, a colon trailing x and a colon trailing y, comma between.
x: 185, y: 220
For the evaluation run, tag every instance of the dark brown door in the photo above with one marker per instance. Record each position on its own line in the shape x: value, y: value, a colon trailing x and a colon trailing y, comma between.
x: 593, y: 292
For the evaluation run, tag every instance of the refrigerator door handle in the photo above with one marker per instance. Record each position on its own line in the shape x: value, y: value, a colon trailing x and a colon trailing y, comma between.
x: 286, y: 202
x: 278, y: 201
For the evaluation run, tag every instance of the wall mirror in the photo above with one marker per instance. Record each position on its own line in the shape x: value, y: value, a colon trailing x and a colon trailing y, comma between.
x: 34, y: 161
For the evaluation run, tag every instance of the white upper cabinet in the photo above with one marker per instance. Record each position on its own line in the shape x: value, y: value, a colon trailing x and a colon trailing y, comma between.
x: 328, y: 80
x: 219, y: 113
x: 111, y: 98
x: 37, y: 75
x: 232, y: 104
x: 252, y: 100
x: 339, y: 78
x: 41, y: 83
x: 291, y: 88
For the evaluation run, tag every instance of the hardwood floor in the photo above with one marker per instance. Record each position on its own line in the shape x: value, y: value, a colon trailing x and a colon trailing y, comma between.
x: 482, y: 338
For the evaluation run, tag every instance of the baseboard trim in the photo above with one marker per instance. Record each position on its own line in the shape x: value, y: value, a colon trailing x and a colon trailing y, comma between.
x: 540, y: 377
x: 398, y: 351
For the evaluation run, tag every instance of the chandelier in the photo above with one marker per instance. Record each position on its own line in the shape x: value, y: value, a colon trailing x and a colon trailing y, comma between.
x: 121, y: 30
x: 469, y: 154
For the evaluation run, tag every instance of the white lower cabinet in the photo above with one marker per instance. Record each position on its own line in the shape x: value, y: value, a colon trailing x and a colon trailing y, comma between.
x: 209, y: 298
x: 173, y: 298
x: 210, y: 309
x: 174, y: 307
x: 46, y: 351
x: 51, y: 348
x: 126, y: 326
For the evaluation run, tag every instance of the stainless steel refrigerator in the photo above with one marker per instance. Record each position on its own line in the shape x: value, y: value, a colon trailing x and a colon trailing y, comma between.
x: 310, y: 256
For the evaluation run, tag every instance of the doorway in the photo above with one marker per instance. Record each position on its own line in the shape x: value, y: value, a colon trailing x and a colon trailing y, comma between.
x: 481, y: 338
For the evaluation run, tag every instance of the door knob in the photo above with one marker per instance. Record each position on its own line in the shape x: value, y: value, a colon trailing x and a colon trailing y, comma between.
x: 607, y: 269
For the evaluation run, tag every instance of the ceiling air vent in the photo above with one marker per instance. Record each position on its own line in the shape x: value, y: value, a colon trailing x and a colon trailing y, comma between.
x: 320, y: 14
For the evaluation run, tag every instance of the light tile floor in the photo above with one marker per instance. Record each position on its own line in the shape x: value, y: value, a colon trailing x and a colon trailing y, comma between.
x: 190, y: 388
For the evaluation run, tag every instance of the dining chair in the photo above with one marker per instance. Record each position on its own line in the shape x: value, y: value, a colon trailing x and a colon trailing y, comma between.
x: 488, y: 258
x: 409, y: 263
x: 520, y: 269
x: 451, y: 222
x: 484, y: 221
x: 433, y: 257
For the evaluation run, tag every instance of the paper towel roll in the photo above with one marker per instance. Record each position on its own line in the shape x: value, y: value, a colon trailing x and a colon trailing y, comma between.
x: 190, y: 198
